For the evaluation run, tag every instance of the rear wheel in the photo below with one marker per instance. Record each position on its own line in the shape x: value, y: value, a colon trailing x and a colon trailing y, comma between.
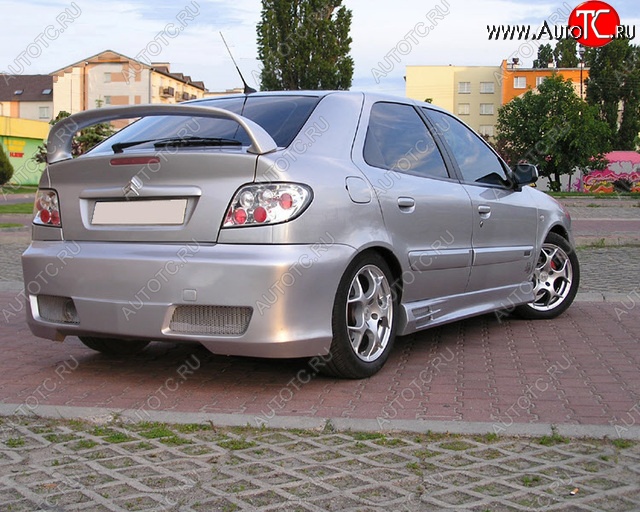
x: 113, y: 346
x: 364, y: 319
x: 555, y: 280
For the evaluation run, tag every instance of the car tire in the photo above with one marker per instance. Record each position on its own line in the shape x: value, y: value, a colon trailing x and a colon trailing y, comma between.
x: 555, y: 280
x: 364, y: 319
x: 114, y: 347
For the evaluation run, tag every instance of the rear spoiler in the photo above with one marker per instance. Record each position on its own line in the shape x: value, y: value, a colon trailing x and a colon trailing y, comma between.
x: 61, y: 135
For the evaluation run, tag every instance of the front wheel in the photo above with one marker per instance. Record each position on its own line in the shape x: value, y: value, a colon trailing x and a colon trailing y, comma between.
x: 114, y: 347
x: 364, y: 319
x: 555, y: 280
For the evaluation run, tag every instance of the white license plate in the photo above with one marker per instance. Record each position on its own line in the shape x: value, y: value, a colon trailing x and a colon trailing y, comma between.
x: 156, y: 212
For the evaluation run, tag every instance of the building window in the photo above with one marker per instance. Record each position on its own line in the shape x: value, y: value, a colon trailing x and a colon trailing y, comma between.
x: 486, y: 109
x: 43, y: 112
x: 464, y: 109
x: 520, y: 82
x: 107, y: 78
x: 539, y: 80
x: 486, y: 130
x: 107, y: 100
x: 487, y: 87
x: 46, y: 92
x: 464, y: 87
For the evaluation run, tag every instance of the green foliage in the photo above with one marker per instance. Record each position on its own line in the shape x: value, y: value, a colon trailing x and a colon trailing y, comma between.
x: 566, y: 53
x: 545, y: 56
x: 83, y: 141
x: 6, y: 169
x: 553, y: 129
x: 614, y: 84
x: 305, y: 44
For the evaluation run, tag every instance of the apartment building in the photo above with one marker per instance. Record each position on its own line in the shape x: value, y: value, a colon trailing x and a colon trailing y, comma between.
x: 473, y: 93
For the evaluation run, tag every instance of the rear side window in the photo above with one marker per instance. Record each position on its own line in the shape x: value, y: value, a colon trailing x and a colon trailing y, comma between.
x: 397, y: 139
x: 281, y: 116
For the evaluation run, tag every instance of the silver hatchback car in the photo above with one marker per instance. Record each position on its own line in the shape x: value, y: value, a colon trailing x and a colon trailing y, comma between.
x: 286, y: 225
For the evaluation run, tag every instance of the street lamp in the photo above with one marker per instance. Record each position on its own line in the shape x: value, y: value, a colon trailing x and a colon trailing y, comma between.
x: 581, y: 51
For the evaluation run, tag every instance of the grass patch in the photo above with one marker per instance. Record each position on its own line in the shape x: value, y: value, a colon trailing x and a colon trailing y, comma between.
x: 622, y: 444
x: 15, y: 442
x: 367, y: 436
x: 456, y: 445
x: 191, y: 428
x: 236, y: 444
x: 157, y: 432
x: 490, y: 437
x: 18, y: 189
x: 16, y: 208
x: 531, y: 480
x: 553, y: 439
x: 5, y: 225
x: 83, y: 444
x: 175, y: 440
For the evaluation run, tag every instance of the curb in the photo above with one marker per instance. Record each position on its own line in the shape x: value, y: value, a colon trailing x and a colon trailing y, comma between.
x: 103, y: 416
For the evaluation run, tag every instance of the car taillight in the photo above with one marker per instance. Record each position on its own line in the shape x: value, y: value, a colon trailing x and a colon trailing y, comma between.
x: 264, y: 204
x: 46, y: 210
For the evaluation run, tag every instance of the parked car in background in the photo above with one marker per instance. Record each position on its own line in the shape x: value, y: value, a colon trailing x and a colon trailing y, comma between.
x: 286, y: 225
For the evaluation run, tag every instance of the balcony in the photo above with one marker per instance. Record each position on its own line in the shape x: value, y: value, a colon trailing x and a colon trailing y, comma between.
x: 167, y: 92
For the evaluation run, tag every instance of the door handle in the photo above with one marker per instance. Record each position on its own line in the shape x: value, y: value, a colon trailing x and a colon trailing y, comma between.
x: 406, y: 202
x: 484, y: 209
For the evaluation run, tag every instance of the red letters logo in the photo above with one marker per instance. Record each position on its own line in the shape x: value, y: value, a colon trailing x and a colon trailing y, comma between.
x: 594, y: 23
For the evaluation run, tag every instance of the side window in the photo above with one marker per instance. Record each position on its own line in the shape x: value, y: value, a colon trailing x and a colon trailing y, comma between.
x: 477, y: 163
x: 397, y: 139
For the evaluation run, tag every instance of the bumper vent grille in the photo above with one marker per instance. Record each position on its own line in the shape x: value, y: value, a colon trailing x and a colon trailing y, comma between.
x: 211, y: 320
x: 60, y: 310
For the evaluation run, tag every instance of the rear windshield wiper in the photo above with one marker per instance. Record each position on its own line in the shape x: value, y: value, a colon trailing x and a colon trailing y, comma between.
x: 196, y: 141
x: 118, y: 147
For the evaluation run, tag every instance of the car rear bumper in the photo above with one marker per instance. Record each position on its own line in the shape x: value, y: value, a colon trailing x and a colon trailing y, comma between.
x: 247, y: 300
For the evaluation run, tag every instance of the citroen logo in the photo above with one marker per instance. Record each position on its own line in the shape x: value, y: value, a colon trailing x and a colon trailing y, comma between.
x: 133, y: 187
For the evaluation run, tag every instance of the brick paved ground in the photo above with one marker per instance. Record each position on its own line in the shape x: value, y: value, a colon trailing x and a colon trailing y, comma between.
x: 578, y: 373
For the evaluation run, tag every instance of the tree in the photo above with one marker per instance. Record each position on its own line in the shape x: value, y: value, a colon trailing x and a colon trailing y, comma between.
x: 305, y: 44
x: 566, y: 53
x: 553, y: 129
x: 614, y: 87
x: 6, y: 169
x: 82, y: 141
x: 545, y: 56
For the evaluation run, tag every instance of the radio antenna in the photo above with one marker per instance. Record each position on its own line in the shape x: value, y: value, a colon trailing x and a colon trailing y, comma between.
x: 247, y: 89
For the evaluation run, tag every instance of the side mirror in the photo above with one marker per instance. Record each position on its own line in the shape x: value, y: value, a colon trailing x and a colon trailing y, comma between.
x: 525, y: 174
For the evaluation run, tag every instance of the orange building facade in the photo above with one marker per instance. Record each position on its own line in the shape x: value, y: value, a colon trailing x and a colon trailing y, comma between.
x: 516, y: 80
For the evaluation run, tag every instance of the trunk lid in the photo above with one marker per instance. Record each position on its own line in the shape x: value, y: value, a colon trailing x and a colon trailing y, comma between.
x: 169, y: 196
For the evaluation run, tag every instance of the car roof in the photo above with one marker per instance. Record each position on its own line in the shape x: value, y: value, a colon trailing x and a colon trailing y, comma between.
x: 372, y: 96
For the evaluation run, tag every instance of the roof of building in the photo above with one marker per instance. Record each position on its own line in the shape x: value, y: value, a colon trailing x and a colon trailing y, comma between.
x: 26, y: 87
x: 111, y: 56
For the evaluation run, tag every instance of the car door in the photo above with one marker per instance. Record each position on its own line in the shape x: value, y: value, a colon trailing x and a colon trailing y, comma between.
x: 426, y: 211
x: 505, y: 220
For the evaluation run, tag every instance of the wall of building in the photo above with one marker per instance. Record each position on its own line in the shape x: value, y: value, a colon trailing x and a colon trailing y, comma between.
x: 161, y: 86
x: 32, y: 110
x: 68, y: 91
x: 474, y: 102
x: 517, y: 81
x: 21, y: 139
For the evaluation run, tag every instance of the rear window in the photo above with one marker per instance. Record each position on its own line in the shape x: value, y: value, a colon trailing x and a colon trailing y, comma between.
x: 281, y: 116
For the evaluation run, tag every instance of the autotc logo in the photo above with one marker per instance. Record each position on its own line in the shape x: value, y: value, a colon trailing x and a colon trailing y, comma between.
x: 595, y: 24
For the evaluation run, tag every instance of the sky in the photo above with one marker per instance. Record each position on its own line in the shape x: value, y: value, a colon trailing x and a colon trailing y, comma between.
x: 41, y: 36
